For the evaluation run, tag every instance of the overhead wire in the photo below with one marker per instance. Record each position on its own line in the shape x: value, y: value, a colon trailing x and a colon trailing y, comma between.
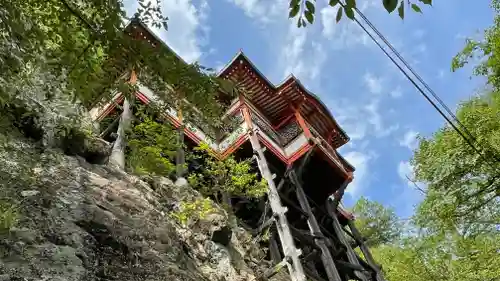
x: 469, y: 139
x: 419, y: 78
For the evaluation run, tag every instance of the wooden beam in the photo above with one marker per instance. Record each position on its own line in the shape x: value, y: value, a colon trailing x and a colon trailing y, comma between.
x: 304, y: 162
x: 314, y: 275
x: 340, y: 193
x: 303, y: 124
x: 351, y: 255
x: 283, y: 122
x: 265, y: 225
x: 180, y: 157
x: 108, y: 129
x: 364, y: 249
x: 274, y: 250
x: 290, y: 251
x: 270, y: 272
x: 326, y: 257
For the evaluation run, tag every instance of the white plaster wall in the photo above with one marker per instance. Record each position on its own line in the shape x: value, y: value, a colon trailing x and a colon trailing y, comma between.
x: 297, y: 143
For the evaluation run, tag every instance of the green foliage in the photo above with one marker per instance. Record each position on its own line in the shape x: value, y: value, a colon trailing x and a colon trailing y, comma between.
x: 191, y: 212
x: 485, y: 50
x: 463, y: 187
x: 441, y: 258
x: 378, y: 224
x: 82, y: 44
x: 8, y: 216
x: 228, y: 175
x: 151, y: 145
x: 456, y: 226
x: 305, y: 10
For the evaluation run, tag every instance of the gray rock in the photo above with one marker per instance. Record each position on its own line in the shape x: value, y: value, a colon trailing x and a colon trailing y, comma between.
x: 86, y: 222
x: 29, y: 193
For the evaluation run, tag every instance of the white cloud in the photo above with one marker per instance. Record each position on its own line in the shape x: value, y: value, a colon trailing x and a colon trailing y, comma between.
x: 187, y: 31
x: 361, y: 162
x: 328, y: 22
x: 262, y: 10
x: 419, y: 33
x: 396, y: 93
x: 441, y: 74
x: 409, y: 140
x: 373, y: 83
x: 405, y: 170
x: 345, y: 33
x: 293, y: 52
x: 375, y: 119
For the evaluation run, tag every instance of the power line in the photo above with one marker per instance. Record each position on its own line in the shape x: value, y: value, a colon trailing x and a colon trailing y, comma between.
x: 470, y: 139
x: 419, y: 78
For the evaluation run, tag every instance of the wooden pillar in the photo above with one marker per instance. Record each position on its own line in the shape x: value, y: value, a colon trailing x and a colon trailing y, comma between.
x: 180, y: 157
x: 274, y: 250
x: 326, y: 257
x: 290, y: 251
x: 340, y: 193
x: 311, y: 263
x: 117, y: 157
x: 364, y: 249
x: 302, y: 124
x: 351, y: 255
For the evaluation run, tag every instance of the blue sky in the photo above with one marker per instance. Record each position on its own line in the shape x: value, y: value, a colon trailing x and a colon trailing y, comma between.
x: 374, y: 103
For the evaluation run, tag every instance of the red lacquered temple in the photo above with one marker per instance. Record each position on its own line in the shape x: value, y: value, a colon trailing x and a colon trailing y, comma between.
x: 294, y: 139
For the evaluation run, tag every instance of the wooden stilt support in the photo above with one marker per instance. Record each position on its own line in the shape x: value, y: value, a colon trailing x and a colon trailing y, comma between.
x: 351, y: 255
x: 340, y: 193
x: 366, y: 252
x: 326, y: 257
x: 274, y: 250
x: 274, y: 270
x: 180, y: 155
x: 291, y: 253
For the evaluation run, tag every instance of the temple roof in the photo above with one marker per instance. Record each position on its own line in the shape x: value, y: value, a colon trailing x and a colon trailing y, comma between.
x: 276, y: 101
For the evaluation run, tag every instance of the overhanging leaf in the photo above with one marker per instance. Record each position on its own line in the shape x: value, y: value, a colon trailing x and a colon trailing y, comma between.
x: 390, y: 5
x: 350, y: 3
x: 310, y: 7
x: 339, y: 15
x: 401, y: 9
x: 294, y: 11
x: 416, y: 8
x: 349, y: 12
x: 294, y: 3
x: 333, y: 3
x: 309, y: 16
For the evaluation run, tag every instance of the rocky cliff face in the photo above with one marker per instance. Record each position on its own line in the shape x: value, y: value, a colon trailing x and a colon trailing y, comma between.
x: 82, y: 222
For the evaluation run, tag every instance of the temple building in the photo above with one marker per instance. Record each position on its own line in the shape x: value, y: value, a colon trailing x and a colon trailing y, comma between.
x: 294, y: 139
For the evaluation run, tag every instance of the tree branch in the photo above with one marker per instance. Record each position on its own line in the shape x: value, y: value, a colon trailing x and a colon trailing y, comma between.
x: 423, y: 191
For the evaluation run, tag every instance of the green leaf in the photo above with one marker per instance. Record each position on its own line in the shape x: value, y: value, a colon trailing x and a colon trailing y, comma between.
x: 427, y: 2
x: 309, y: 16
x: 294, y: 3
x: 294, y: 11
x: 390, y: 5
x: 332, y: 3
x: 310, y: 7
x: 299, y: 23
x: 339, y: 14
x: 350, y: 3
x: 349, y: 12
x: 401, y: 9
x: 416, y: 8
